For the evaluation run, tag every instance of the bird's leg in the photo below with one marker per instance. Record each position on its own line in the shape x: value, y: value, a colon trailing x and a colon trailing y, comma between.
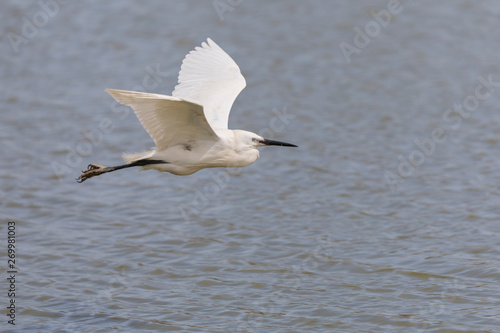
x: 94, y: 170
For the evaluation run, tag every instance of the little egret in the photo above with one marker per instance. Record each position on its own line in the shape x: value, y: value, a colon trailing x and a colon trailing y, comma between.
x: 189, y: 128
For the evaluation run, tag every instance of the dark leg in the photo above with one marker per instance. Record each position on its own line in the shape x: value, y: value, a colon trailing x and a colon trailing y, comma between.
x: 96, y: 170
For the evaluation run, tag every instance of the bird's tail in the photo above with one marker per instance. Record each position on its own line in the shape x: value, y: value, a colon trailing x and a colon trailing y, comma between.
x: 131, y: 158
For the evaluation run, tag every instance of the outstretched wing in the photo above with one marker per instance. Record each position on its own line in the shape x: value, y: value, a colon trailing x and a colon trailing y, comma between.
x: 210, y: 77
x: 168, y: 120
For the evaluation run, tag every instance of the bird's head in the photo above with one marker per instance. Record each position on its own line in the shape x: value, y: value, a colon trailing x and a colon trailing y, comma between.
x: 252, y: 140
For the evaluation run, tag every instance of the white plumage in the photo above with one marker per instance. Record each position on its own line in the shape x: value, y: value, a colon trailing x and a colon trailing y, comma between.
x: 190, y: 128
x: 209, y: 77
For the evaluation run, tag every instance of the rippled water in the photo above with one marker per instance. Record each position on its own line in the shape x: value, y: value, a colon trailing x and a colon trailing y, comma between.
x: 358, y: 230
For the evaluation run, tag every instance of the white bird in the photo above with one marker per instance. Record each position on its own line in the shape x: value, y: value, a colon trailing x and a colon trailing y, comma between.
x: 189, y: 128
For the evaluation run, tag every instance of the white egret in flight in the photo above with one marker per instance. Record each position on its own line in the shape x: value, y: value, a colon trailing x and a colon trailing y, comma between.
x: 189, y: 128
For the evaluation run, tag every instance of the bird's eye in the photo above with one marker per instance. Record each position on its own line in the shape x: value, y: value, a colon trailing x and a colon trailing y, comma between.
x: 255, y: 140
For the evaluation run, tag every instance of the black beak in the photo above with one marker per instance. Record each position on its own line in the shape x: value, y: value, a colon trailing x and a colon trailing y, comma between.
x: 276, y: 143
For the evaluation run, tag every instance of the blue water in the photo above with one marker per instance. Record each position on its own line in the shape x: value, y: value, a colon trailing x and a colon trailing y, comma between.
x: 385, y: 219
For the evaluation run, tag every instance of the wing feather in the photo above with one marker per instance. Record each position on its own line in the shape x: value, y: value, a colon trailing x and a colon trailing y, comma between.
x: 168, y: 120
x: 210, y: 77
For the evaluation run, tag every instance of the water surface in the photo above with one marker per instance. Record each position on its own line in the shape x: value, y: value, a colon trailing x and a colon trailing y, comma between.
x: 314, y: 239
